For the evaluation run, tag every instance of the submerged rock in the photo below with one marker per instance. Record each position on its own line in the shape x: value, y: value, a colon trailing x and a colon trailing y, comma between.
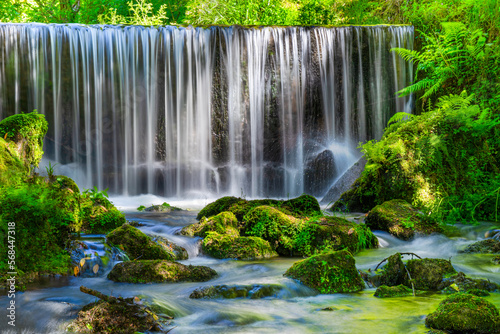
x: 140, y: 246
x: 400, y: 219
x: 159, y: 271
x: 333, y: 272
x: 256, y: 291
x: 385, y: 291
x: 465, y: 313
x: 241, y: 248
x: 462, y: 283
x: 218, y: 223
x: 165, y: 208
x: 484, y: 246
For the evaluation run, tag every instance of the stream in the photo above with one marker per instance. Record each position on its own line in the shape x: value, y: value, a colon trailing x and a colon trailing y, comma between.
x: 49, y: 306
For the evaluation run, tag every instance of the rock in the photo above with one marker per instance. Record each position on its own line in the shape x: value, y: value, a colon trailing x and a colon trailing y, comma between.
x: 462, y: 283
x: 12, y: 169
x: 394, y: 272
x: 218, y: 223
x: 344, y: 182
x: 240, y: 248
x: 25, y: 132
x: 177, y: 251
x: 496, y: 260
x: 236, y: 291
x: 399, y: 219
x: 165, y: 208
x: 139, y: 246
x: 484, y: 246
x: 319, y: 173
x: 99, y: 215
x: 493, y: 233
x: 304, y: 205
x: 333, y: 272
x: 478, y: 292
x: 429, y: 274
x: 159, y: 271
x: 385, y: 291
x: 465, y: 313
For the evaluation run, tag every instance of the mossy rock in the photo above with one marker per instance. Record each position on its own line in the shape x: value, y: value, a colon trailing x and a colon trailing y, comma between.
x: 241, y: 248
x: 218, y: 223
x: 165, y: 208
x: 26, y: 132
x: 333, y: 272
x: 478, y: 292
x: 256, y: 291
x: 465, y: 313
x: 400, y: 219
x: 108, y: 318
x: 487, y: 246
x: 394, y: 272
x: 496, y: 260
x: 12, y: 169
x: 429, y: 274
x: 159, y: 271
x: 178, y: 252
x: 385, y: 291
x: 461, y: 283
x: 99, y: 215
x: 337, y: 233
x: 138, y: 245
x: 301, y: 206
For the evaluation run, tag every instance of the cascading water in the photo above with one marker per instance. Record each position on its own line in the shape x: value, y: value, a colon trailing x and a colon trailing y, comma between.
x: 222, y: 110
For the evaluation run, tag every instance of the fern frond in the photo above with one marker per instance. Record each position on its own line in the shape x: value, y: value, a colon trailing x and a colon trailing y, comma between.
x: 400, y: 117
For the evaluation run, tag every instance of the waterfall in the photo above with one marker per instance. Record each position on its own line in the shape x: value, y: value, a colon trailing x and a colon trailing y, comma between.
x: 187, y: 112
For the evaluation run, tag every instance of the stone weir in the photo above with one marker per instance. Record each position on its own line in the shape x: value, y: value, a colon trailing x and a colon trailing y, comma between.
x: 183, y: 111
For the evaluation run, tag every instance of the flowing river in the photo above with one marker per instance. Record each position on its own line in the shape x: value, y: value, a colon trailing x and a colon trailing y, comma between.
x: 53, y: 303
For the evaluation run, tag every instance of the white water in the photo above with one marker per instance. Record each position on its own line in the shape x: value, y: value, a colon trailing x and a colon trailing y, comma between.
x: 182, y: 111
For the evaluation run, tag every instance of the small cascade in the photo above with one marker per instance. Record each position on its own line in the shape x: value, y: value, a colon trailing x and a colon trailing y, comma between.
x: 196, y: 112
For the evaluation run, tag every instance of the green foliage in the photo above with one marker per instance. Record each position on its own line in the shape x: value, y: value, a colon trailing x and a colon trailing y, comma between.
x: 141, y: 208
x: 140, y: 13
x: 455, y: 60
x: 95, y: 194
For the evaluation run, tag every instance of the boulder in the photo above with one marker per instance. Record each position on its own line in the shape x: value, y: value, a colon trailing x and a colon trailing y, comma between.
x: 240, y: 248
x: 159, y: 271
x: 400, y: 219
x: 333, y: 272
x: 429, y: 274
x: 385, y: 291
x: 496, y: 260
x: 394, y: 272
x: 465, y: 313
x: 461, y: 283
x: 140, y: 246
x: 12, y: 169
x: 165, y: 208
x: 487, y: 246
x: 256, y: 291
x: 219, y: 223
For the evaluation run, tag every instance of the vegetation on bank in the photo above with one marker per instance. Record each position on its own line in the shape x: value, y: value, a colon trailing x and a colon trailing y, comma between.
x: 46, y: 211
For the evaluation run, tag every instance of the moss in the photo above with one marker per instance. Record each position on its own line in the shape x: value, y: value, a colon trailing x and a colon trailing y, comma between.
x: 484, y: 246
x: 236, y: 291
x: 159, y: 271
x: 107, y: 318
x: 429, y: 274
x: 301, y: 206
x: 99, y: 215
x: 394, y: 272
x: 400, y: 219
x: 333, y: 272
x: 478, y: 292
x: 224, y: 222
x: 165, y: 207
x: 465, y: 313
x: 138, y: 245
x: 178, y: 252
x: 385, y: 291
x: 460, y: 282
x: 241, y: 248
x: 496, y: 260
x: 12, y: 169
x: 26, y: 131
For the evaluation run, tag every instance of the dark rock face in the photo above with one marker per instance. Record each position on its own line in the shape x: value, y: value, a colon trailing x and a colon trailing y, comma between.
x: 465, y: 313
x: 319, y: 173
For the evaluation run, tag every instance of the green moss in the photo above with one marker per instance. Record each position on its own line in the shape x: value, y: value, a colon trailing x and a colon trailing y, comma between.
x: 12, y: 169
x: 484, y: 246
x: 165, y: 207
x: 241, y: 248
x: 220, y: 205
x: 394, y: 272
x: 137, y: 244
x: 385, y: 291
x: 224, y: 222
x: 333, y: 272
x: 26, y: 131
x: 236, y: 291
x: 429, y: 274
x: 159, y: 271
x: 465, y: 313
x: 478, y: 292
x: 462, y: 283
x: 400, y: 219
x: 99, y: 215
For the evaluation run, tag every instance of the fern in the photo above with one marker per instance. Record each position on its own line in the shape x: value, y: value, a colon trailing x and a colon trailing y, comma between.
x: 400, y: 117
